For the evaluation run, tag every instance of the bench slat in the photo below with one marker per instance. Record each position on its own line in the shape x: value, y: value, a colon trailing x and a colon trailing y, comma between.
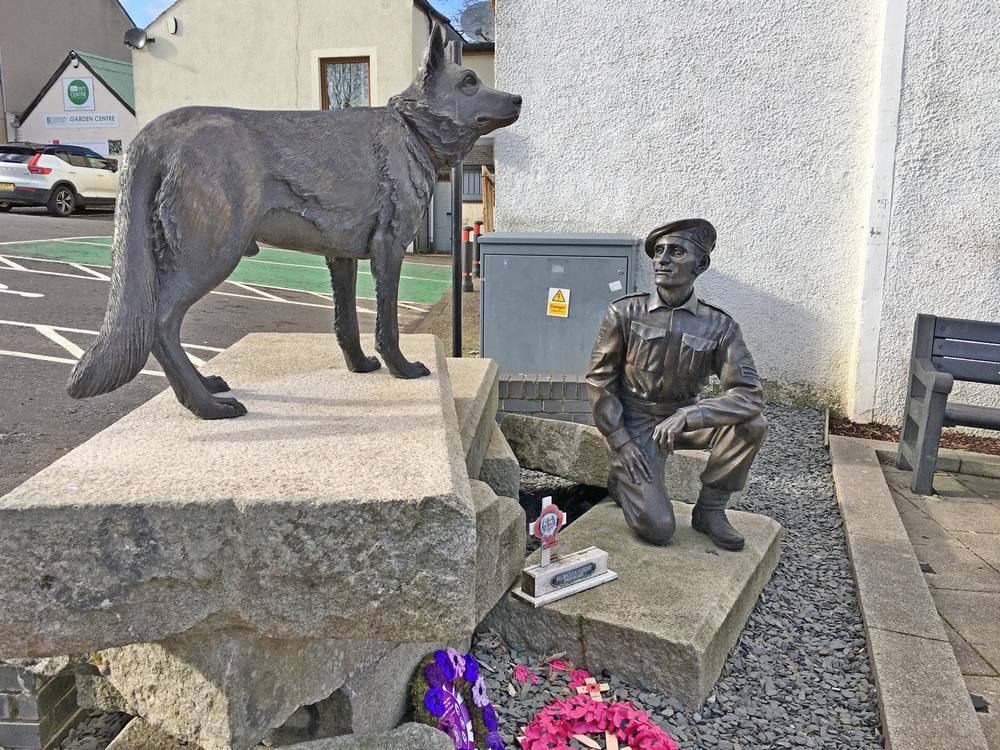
x: 971, y: 416
x: 966, y: 369
x: 967, y: 350
x: 969, y: 330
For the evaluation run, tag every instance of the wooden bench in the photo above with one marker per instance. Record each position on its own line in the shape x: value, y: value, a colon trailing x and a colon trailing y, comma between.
x: 944, y: 350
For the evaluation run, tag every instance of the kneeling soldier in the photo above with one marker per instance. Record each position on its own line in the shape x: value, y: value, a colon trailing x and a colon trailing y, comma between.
x: 652, y: 358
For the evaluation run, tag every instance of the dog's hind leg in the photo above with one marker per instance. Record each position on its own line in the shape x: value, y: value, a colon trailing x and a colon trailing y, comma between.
x: 344, y: 280
x: 387, y: 264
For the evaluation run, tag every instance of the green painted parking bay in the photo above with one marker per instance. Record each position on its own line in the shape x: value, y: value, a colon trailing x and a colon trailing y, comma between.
x: 421, y: 283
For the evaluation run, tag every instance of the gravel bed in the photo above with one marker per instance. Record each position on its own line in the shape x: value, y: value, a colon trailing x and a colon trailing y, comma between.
x: 799, y: 675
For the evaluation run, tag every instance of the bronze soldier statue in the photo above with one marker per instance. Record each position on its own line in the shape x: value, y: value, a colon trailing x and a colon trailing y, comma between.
x: 652, y: 358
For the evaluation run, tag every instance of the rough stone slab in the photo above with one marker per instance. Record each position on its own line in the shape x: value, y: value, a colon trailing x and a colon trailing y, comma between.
x: 989, y: 689
x: 474, y: 385
x: 924, y: 702
x: 96, y: 691
x: 579, y: 453
x: 140, y: 735
x: 306, y: 518
x: 407, y: 737
x: 670, y: 619
x: 500, y: 469
x: 226, y: 691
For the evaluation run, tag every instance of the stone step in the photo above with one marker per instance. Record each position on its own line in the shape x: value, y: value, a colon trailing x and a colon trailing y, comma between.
x: 500, y: 469
x: 669, y: 620
x: 474, y: 385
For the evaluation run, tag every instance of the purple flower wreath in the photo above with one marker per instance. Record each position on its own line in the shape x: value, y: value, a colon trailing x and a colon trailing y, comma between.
x: 448, y: 676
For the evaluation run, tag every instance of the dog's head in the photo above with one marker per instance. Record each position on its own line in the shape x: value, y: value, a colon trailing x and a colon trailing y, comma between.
x: 450, y: 106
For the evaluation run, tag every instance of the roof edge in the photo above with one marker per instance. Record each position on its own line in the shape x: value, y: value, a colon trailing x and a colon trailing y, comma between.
x: 55, y: 76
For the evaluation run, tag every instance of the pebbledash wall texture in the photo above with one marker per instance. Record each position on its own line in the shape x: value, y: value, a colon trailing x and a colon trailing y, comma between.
x: 786, y: 125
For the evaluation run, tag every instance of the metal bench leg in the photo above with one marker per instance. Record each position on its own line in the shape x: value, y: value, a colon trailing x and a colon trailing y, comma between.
x: 925, y: 450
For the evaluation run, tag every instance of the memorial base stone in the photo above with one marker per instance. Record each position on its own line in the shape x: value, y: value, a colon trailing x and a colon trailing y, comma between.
x: 669, y: 621
x: 235, y: 571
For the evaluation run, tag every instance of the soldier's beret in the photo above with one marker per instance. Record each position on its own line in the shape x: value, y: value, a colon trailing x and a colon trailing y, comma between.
x: 697, y: 231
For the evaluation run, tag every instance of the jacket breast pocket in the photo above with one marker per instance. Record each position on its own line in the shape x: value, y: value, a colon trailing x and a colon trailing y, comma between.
x: 647, y: 347
x: 695, y: 356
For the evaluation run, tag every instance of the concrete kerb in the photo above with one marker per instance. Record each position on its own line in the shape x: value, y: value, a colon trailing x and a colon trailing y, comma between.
x: 922, y: 697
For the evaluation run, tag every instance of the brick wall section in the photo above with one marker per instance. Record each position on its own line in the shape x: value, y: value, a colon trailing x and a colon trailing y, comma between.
x: 35, y: 711
x: 549, y: 396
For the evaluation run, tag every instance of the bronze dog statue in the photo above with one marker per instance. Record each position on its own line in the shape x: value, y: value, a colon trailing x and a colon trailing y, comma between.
x: 201, y: 185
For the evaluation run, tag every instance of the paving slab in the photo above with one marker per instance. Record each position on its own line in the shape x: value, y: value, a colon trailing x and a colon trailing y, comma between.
x: 974, y: 614
x: 991, y: 653
x: 979, y: 515
x: 969, y: 660
x: 986, y: 487
x: 956, y: 567
x: 924, y: 702
x: 988, y: 688
x: 669, y: 620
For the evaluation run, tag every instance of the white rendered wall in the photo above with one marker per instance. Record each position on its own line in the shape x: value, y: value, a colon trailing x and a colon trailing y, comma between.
x: 944, y: 232
x: 639, y: 112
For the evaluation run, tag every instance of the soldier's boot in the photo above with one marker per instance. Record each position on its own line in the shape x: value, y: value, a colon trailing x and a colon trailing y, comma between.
x: 709, y: 518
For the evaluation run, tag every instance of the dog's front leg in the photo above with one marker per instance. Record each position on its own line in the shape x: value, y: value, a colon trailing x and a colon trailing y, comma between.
x: 387, y: 263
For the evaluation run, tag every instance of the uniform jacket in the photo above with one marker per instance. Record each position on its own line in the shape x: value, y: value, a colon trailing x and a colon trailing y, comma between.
x: 651, y: 358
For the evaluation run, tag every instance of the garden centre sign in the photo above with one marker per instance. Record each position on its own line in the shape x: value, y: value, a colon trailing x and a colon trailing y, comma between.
x: 78, y: 93
x: 83, y: 120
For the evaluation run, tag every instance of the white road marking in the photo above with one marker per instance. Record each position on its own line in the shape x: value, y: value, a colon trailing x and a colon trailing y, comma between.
x: 12, y: 264
x: 61, y: 360
x: 50, y: 333
x: 4, y: 289
x: 262, y: 293
x: 95, y: 274
x: 57, y: 239
x: 16, y: 267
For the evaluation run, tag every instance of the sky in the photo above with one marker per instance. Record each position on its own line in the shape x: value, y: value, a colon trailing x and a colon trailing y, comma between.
x: 144, y: 11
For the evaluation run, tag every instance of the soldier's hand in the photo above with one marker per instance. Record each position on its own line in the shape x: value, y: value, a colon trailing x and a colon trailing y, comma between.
x: 666, y: 431
x: 635, y: 463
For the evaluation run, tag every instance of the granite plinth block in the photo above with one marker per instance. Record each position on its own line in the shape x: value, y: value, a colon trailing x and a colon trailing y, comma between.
x: 671, y: 618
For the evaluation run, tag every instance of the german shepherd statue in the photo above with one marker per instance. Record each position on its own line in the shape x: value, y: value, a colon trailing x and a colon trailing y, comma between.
x: 201, y: 185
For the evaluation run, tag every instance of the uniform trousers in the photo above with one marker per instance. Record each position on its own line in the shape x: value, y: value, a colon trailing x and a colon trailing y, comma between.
x: 647, y: 504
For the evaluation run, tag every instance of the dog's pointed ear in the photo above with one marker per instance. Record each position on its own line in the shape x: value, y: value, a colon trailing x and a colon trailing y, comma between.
x: 434, y: 56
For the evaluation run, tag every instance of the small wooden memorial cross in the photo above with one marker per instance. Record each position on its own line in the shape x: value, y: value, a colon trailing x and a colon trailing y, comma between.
x: 547, y: 527
x: 591, y: 687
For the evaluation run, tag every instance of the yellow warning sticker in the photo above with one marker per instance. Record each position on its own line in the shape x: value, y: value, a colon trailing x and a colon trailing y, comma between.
x: 558, y: 302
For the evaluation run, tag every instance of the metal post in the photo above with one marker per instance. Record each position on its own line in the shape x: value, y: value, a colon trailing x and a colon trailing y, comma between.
x: 467, y: 260
x: 475, y: 249
x: 456, y: 239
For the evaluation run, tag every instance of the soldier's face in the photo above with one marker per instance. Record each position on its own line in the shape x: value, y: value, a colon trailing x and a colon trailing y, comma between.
x: 677, y: 263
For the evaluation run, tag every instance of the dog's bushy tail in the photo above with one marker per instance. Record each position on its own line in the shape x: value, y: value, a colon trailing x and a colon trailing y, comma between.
x: 126, y: 336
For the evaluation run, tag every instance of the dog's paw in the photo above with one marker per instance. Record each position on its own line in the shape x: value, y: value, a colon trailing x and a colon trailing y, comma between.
x: 410, y: 370
x: 215, y: 384
x: 219, y: 408
x: 368, y: 364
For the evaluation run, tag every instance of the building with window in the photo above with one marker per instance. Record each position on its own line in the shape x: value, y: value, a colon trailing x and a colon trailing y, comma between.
x: 34, y: 37
x: 88, y: 101
x: 298, y: 54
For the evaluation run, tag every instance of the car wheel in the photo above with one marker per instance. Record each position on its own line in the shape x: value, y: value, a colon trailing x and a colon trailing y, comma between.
x: 4, y: 208
x: 62, y: 202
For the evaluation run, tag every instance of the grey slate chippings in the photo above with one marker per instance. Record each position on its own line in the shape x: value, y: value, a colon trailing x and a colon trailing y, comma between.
x: 799, y: 675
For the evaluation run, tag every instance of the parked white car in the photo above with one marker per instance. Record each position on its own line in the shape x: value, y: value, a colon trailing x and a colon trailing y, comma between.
x: 60, y: 177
